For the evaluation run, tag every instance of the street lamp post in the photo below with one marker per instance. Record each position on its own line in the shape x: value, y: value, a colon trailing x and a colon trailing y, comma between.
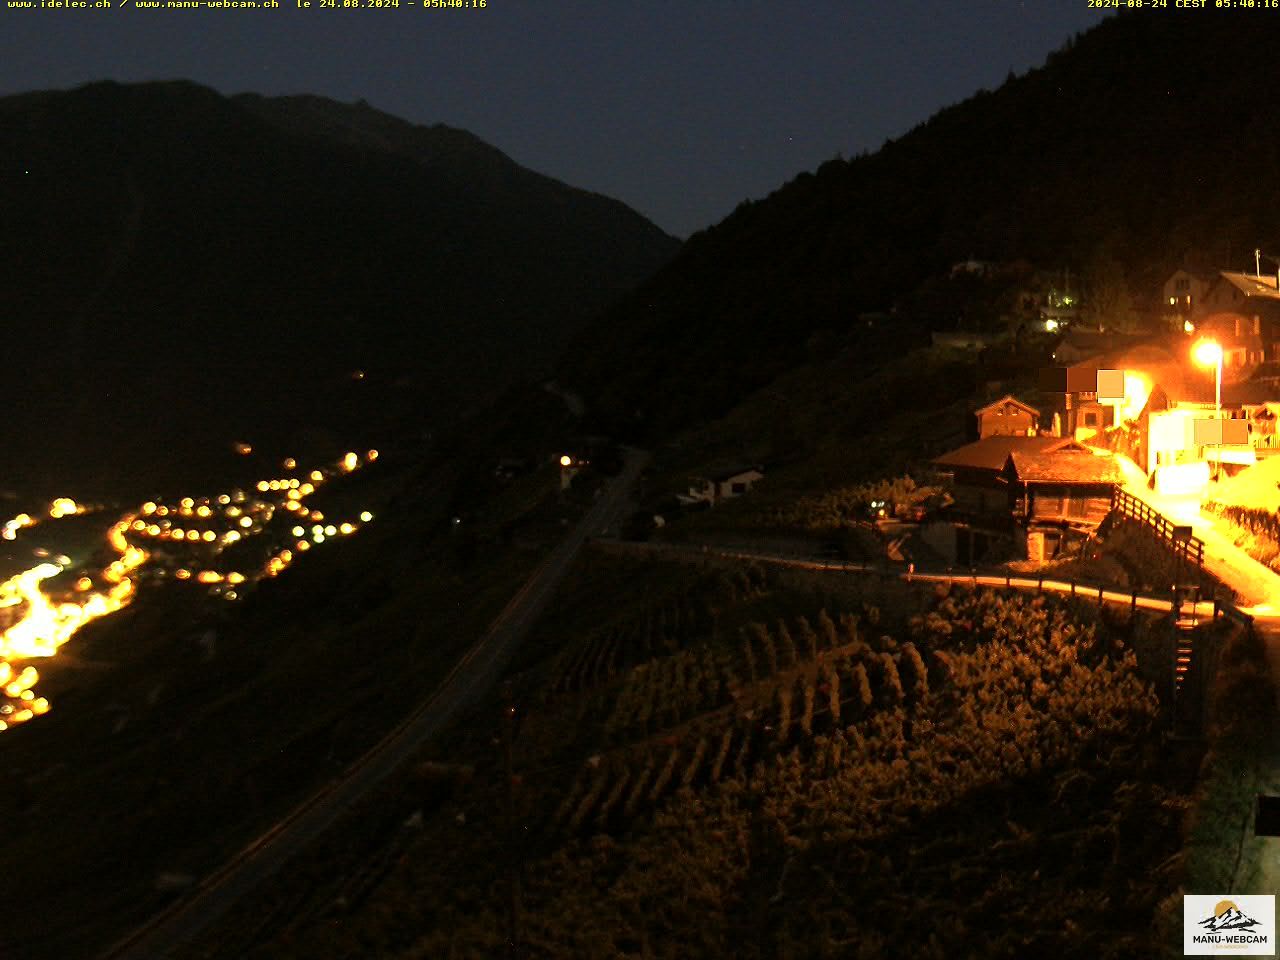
x: 1209, y: 353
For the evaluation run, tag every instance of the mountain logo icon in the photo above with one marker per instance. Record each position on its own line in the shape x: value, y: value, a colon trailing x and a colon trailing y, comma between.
x: 1229, y: 924
x: 1227, y: 916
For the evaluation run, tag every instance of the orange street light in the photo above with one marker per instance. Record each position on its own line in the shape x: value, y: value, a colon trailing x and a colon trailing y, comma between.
x: 1207, y: 353
x: 566, y: 461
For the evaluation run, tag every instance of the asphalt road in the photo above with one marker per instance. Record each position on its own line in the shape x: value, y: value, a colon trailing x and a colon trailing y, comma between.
x: 478, y: 670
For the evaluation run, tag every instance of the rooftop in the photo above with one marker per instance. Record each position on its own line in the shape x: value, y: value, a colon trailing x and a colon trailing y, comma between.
x: 1007, y: 398
x: 991, y: 453
x: 1252, y: 286
x: 1062, y: 466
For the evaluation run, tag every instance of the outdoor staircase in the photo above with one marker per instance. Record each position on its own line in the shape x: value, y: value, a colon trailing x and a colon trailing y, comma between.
x: 1184, y: 652
x: 1188, y: 681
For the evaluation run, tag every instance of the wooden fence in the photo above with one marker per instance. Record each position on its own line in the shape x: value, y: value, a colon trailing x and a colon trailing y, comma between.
x: 1162, y: 528
x: 1037, y: 583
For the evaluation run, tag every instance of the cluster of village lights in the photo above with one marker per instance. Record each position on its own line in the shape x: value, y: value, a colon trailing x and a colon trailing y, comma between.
x: 208, y: 525
x: 59, y: 508
x: 37, y: 625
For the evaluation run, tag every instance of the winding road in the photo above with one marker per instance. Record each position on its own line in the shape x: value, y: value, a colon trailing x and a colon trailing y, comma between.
x: 477, y: 671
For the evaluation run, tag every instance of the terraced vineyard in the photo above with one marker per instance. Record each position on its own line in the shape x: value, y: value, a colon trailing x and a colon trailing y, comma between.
x: 741, y: 766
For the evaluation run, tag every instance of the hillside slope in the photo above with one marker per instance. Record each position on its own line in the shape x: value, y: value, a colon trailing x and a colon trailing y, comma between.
x: 186, y: 261
x: 1140, y: 143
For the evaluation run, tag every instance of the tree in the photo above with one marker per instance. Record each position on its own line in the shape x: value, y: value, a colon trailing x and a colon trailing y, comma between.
x: 1107, y: 302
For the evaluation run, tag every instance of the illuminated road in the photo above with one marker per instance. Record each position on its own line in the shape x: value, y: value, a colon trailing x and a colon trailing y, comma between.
x: 182, y: 924
x: 1257, y: 585
x: 1035, y: 584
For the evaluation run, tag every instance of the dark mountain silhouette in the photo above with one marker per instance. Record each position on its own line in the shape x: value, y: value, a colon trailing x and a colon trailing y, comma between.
x: 192, y: 262
x: 1137, y: 144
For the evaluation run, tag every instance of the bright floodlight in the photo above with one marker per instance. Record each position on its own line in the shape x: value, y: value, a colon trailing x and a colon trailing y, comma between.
x: 1207, y: 353
x: 566, y: 460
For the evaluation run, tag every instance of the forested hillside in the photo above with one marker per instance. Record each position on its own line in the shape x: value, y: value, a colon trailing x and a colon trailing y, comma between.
x: 1134, y: 146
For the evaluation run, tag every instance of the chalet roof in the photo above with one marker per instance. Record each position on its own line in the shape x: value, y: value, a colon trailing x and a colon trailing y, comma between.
x: 991, y: 453
x: 1007, y: 398
x: 1062, y: 466
x: 1175, y: 375
x: 1202, y: 276
x: 732, y: 472
x: 1191, y: 389
x: 1088, y: 344
x: 1251, y: 286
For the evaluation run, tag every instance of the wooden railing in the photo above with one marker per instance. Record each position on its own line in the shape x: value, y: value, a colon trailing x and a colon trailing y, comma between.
x: 1227, y: 609
x: 1162, y: 528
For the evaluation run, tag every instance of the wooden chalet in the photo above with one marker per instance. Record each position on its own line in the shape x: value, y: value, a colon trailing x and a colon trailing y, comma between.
x: 1037, y: 492
x: 1007, y: 417
x: 722, y: 485
x: 1059, y: 495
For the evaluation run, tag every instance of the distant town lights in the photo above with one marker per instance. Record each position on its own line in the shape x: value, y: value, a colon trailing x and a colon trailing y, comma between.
x: 48, y: 622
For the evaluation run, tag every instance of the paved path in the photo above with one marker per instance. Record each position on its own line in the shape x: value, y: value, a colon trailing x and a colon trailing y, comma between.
x: 1037, y: 584
x: 1257, y: 586
x: 181, y: 925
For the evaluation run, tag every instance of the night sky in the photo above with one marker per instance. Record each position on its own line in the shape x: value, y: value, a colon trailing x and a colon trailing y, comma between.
x: 681, y: 110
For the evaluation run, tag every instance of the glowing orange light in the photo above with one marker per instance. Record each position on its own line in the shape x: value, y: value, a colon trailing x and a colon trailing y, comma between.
x: 64, y: 507
x: 1137, y: 388
x: 1207, y: 353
